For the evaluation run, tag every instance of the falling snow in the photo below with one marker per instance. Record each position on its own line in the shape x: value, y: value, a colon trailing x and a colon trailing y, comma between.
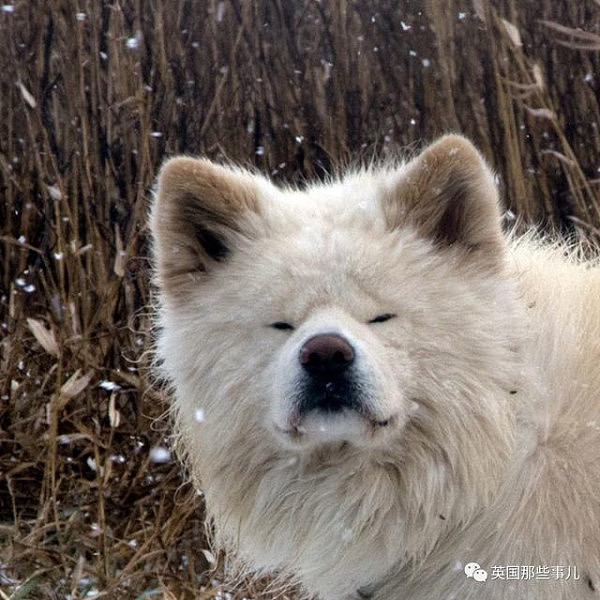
x: 159, y: 455
x: 109, y: 386
x: 133, y: 42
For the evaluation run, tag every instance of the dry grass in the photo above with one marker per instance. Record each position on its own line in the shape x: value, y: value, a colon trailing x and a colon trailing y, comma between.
x: 93, y: 95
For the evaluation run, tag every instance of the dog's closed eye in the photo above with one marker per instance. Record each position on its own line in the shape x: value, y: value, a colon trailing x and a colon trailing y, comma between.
x: 281, y: 325
x: 382, y: 318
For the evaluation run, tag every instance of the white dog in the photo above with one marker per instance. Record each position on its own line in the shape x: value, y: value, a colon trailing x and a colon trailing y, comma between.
x: 390, y: 387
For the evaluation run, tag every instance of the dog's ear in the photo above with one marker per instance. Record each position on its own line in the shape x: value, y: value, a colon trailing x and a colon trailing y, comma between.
x: 449, y: 195
x: 200, y: 209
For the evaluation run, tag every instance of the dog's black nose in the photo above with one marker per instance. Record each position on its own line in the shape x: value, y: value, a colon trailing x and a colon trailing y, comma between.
x: 326, y: 355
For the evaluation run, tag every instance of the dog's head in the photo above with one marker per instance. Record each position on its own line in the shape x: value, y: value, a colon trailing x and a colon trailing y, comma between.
x: 337, y: 305
x: 370, y: 315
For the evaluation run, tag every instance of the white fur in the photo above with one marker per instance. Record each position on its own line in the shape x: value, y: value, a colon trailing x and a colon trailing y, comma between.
x: 467, y: 471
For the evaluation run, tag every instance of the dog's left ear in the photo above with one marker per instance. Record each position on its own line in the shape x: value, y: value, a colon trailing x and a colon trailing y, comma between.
x: 449, y: 195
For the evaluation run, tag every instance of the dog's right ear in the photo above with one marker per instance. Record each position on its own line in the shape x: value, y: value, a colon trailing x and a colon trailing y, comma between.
x: 200, y: 209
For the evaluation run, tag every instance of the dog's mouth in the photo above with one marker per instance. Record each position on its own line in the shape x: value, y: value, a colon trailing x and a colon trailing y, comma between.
x: 334, y: 407
x: 343, y: 425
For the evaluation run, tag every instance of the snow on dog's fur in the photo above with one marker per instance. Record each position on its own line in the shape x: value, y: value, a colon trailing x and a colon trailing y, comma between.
x: 390, y: 388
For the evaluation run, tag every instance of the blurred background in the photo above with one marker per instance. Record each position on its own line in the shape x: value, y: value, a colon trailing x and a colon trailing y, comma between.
x: 94, y: 95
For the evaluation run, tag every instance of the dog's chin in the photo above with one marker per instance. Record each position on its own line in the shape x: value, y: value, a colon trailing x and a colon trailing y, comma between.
x: 319, y: 427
